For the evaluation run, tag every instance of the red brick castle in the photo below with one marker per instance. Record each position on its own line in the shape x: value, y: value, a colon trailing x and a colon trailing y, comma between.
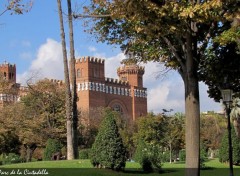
x: 126, y: 94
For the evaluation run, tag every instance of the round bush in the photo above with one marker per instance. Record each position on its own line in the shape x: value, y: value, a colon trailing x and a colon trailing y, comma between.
x: 52, y: 147
x: 11, y: 158
x: 148, y: 156
x: 84, y: 154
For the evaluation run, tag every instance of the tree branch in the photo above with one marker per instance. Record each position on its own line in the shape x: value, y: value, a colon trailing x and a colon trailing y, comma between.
x: 4, y: 12
x: 173, y: 49
x: 75, y: 16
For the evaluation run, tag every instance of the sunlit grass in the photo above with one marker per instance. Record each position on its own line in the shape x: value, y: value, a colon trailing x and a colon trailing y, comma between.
x: 84, y: 167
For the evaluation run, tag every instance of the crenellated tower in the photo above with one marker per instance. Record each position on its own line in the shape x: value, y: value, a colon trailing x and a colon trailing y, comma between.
x: 90, y: 78
x: 126, y: 94
x: 8, y: 72
x: 133, y: 73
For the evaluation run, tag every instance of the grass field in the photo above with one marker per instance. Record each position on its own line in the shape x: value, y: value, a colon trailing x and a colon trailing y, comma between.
x: 84, y: 168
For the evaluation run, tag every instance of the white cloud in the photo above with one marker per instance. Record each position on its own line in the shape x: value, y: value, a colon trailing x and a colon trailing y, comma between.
x: 161, y: 96
x: 111, y: 65
x: 92, y: 49
x: 47, y: 64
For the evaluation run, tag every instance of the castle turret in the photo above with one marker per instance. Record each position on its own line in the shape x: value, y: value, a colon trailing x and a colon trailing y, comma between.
x: 131, y: 73
x: 8, y: 71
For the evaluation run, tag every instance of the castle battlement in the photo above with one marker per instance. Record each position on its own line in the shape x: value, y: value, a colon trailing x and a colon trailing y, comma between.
x: 131, y: 69
x: 90, y: 59
x: 8, y: 65
x: 116, y: 81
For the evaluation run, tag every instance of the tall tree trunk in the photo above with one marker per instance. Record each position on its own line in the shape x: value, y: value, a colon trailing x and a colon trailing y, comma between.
x: 73, y: 81
x: 70, y: 139
x: 192, y: 108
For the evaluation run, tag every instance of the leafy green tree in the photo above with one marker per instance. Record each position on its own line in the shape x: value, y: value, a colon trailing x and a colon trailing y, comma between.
x: 151, y: 129
x: 9, y: 142
x: 52, y: 147
x: 108, y: 150
x: 174, y: 134
x: 141, y: 156
x: 149, y: 156
x: 175, y: 33
x: 45, y: 100
x: 38, y: 116
x: 233, y: 34
x: 220, y: 67
x: 212, y: 128
x: 223, y: 152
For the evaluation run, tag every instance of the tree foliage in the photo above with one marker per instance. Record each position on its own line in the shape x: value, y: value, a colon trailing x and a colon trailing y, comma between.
x: 166, y: 132
x: 108, y: 150
x: 52, y: 147
x: 38, y: 116
x: 224, y: 153
x: 220, y: 67
x: 175, y: 33
x: 213, y: 127
x: 17, y: 6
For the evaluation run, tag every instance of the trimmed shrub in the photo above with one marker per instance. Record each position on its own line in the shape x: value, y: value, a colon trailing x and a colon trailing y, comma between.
x: 141, y: 156
x: 108, y: 150
x: 84, y: 154
x: 52, y: 147
x: 182, y: 155
x: 203, y: 155
x: 223, y: 152
x: 11, y: 158
x: 148, y: 156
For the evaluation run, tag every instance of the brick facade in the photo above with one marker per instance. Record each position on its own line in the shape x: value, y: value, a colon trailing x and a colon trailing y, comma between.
x: 126, y: 94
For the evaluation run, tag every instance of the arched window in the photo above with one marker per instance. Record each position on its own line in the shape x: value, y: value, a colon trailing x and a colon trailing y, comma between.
x: 117, y: 108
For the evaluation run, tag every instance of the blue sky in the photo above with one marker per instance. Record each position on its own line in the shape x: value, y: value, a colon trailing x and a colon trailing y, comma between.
x: 32, y: 42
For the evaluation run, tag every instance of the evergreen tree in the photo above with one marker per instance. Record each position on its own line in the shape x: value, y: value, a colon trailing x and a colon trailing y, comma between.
x: 108, y: 150
x: 223, y: 152
x: 52, y: 147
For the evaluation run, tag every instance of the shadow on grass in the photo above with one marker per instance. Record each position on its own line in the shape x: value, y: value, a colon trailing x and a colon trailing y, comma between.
x: 141, y: 172
x: 208, y: 168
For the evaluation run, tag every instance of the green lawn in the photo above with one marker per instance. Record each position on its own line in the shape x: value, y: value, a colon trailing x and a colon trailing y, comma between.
x: 84, y: 167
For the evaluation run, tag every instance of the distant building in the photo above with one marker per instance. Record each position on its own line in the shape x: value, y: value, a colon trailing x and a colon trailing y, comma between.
x: 8, y: 87
x: 125, y: 95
